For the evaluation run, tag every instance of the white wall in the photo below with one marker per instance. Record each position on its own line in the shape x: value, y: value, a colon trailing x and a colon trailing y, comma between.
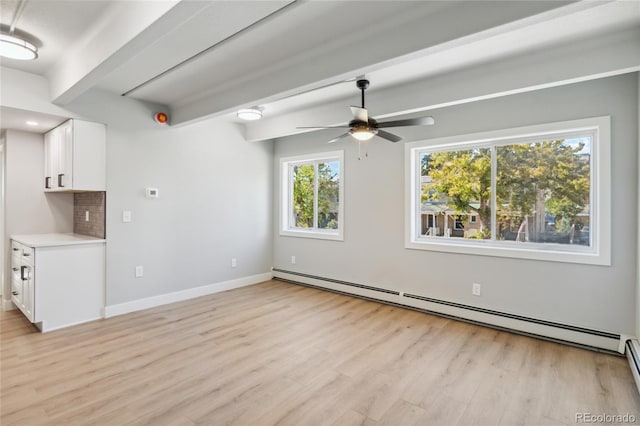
x: 373, y: 251
x: 215, y: 200
x: 638, y: 241
x: 28, y: 209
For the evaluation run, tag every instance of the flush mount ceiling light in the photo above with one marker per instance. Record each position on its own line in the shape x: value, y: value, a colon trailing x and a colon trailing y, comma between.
x: 250, y: 114
x: 15, y: 47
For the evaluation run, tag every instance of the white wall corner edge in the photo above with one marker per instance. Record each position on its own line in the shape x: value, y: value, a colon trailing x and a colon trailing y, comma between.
x: 178, y: 296
x: 633, y: 356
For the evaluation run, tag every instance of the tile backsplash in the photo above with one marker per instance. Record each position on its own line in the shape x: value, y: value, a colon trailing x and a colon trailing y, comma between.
x: 94, y: 203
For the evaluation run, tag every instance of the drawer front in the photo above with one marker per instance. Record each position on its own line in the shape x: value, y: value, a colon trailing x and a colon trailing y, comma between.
x: 22, y: 252
x: 16, y: 292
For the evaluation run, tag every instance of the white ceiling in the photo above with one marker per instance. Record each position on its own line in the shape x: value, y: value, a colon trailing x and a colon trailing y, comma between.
x: 209, y: 58
x: 28, y: 121
x: 52, y: 25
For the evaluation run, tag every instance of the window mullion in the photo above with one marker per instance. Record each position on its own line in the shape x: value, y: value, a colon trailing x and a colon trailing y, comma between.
x: 494, y: 207
x: 315, y: 196
x: 292, y: 216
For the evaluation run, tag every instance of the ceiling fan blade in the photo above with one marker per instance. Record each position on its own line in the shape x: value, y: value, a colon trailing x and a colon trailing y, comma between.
x: 360, y: 114
x: 421, y: 121
x: 388, y: 136
x: 339, y: 138
x: 324, y: 127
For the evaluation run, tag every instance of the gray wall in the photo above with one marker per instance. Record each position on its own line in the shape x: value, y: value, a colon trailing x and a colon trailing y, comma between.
x: 28, y: 209
x: 215, y: 200
x: 373, y: 251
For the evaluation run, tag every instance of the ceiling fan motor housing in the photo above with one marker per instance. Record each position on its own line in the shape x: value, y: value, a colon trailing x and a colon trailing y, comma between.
x: 363, y: 84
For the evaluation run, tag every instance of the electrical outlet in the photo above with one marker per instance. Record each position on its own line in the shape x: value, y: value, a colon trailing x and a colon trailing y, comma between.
x: 476, y: 289
x: 86, y: 216
x: 234, y: 262
x: 139, y: 271
x: 293, y: 260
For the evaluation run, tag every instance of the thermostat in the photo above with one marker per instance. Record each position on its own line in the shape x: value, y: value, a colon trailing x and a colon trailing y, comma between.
x: 151, y: 192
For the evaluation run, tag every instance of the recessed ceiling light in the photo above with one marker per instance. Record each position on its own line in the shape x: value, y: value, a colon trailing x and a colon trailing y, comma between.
x: 17, y: 48
x: 250, y: 114
x: 32, y: 123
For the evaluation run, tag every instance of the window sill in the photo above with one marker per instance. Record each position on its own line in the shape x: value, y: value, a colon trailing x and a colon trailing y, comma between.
x: 315, y: 234
x: 546, y: 252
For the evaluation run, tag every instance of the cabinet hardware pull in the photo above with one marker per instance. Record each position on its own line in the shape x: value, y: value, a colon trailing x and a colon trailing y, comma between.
x: 15, y: 249
x: 16, y: 269
x: 15, y: 293
x: 47, y: 184
x: 60, y: 180
x: 22, y: 269
x: 26, y: 254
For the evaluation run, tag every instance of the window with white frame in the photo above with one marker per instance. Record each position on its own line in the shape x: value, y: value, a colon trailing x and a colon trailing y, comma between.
x: 540, y: 192
x: 312, y: 196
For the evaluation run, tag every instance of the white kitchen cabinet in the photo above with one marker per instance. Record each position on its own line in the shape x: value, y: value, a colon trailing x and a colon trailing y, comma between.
x: 75, y: 157
x: 22, y: 279
x: 58, y: 280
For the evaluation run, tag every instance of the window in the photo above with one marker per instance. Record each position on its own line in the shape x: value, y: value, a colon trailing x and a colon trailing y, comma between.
x: 312, y: 196
x: 540, y: 192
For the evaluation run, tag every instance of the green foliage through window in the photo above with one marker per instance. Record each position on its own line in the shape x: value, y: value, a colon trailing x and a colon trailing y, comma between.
x: 542, y: 191
x: 316, y: 194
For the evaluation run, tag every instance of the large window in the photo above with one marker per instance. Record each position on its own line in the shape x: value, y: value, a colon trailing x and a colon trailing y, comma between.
x: 312, y: 196
x: 540, y: 192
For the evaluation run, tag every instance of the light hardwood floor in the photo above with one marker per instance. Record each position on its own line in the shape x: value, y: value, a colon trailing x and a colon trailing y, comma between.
x: 278, y: 353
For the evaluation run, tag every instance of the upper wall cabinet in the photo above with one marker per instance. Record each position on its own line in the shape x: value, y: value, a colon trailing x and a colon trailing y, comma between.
x: 75, y: 157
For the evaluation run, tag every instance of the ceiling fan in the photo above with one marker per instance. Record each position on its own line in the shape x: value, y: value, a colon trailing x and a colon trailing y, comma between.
x: 363, y: 127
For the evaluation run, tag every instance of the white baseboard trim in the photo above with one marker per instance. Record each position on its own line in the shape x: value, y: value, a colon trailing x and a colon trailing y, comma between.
x: 178, y: 296
x: 45, y: 328
x: 536, y: 328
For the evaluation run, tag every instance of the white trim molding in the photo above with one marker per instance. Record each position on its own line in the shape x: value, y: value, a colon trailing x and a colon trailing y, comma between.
x: 599, y: 251
x: 286, y: 202
x: 178, y: 296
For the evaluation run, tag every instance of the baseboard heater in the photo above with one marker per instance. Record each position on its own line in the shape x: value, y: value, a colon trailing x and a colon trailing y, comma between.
x: 597, y: 340
x: 633, y: 355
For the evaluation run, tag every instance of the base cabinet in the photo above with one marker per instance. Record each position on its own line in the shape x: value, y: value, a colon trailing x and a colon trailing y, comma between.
x: 58, y: 286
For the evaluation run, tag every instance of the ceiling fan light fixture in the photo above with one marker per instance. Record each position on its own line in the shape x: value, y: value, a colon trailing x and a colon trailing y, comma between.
x: 363, y: 134
x: 17, y: 48
x: 250, y: 114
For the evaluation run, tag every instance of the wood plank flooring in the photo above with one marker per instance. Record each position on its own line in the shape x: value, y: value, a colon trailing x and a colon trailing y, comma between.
x: 278, y: 353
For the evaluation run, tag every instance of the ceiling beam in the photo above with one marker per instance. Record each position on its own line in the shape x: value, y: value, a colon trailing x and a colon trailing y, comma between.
x: 119, y: 35
x: 405, y: 33
x: 596, y: 57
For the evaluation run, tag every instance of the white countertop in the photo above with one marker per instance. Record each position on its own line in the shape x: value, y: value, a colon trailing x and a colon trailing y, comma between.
x: 49, y: 240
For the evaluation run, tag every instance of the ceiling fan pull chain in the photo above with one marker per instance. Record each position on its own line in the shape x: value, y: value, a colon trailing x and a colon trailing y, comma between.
x: 359, y: 156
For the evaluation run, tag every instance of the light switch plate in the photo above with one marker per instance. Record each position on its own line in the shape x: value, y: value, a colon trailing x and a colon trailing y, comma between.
x: 126, y: 216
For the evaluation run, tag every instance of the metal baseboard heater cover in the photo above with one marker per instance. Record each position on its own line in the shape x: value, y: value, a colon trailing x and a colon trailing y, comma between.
x: 633, y: 356
x: 463, y: 312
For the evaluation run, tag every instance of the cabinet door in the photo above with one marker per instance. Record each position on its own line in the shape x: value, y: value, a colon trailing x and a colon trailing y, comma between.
x: 28, y: 292
x: 49, y: 155
x: 64, y: 175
